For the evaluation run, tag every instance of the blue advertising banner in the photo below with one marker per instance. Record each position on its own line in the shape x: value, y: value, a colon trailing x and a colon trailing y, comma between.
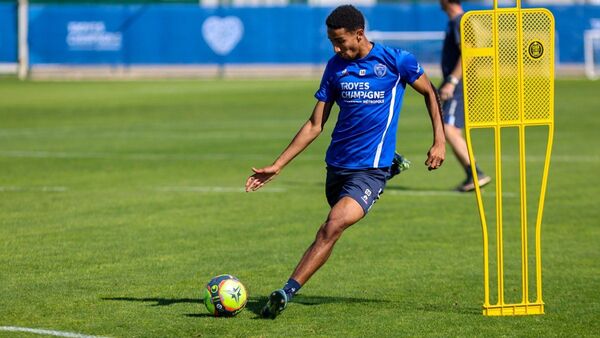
x: 571, y: 23
x: 189, y: 34
x: 8, y: 33
x: 174, y: 34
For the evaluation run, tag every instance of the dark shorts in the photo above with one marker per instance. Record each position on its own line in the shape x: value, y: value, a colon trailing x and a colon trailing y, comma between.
x: 454, y: 109
x: 362, y: 185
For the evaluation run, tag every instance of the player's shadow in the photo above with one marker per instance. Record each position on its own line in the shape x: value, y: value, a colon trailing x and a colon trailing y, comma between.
x: 317, y: 300
x: 256, y: 304
x: 156, y: 300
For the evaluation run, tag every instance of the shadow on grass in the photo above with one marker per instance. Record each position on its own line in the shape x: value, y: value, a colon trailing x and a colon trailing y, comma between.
x: 448, y: 308
x: 317, y: 300
x: 165, y: 302
x: 201, y: 315
x: 255, y: 304
x: 159, y: 301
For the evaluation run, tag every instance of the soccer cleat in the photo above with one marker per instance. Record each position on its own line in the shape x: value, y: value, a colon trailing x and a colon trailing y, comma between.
x: 469, y: 184
x: 277, y: 303
x: 399, y: 164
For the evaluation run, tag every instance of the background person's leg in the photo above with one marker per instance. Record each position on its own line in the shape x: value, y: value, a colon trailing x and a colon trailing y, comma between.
x: 458, y: 144
x: 454, y: 136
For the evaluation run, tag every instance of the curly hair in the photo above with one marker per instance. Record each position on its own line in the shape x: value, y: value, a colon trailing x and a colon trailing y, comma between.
x: 345, y: 16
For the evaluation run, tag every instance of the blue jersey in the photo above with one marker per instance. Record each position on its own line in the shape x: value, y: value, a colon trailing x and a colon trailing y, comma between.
x: 369, y: 92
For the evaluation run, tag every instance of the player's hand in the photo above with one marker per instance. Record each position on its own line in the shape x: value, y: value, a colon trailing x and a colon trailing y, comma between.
x: 261, y: 177
x: 447, y: 91
x: 436, y: 156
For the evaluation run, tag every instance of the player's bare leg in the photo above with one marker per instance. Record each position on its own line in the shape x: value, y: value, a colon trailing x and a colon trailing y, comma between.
x: 458, y: 144
x: 344, y: 213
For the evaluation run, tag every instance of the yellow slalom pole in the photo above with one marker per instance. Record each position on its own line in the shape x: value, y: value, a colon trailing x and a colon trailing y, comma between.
x: 508, y: 78
x: 522, y: 169
x: 484, y: 227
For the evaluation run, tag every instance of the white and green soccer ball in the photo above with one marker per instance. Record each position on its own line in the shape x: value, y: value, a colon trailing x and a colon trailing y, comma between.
x: 225, y: 296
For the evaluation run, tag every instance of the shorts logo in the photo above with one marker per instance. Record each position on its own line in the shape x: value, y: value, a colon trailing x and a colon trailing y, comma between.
x: 380, y: 70
x: 366, y: 196
x: 535, y: 49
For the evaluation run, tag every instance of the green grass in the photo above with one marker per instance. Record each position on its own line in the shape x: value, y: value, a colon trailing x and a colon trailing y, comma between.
x: 120, y: 200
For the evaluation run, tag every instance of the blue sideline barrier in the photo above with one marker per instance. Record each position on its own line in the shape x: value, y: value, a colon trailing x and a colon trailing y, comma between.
x: 189, y: 34
x: 8, y: 33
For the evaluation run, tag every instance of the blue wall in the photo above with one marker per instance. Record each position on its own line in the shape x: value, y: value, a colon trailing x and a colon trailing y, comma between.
x: 571, y: 22
x: 8, y: 32
x: 173, y: 33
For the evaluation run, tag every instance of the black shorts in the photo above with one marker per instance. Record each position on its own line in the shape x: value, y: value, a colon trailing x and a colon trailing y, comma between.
x: 362, y: 185
x: 454, y: 109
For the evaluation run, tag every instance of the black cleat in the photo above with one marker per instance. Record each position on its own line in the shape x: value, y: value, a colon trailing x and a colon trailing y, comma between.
x: 277, y: 303
x: 399, y: 164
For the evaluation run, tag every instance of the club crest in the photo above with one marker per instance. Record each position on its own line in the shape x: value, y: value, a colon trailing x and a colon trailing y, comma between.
x: 380, y: 70
x: 536, y: 49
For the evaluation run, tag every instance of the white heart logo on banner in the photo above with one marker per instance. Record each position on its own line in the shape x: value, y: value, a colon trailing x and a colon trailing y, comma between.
x: 222, y: 34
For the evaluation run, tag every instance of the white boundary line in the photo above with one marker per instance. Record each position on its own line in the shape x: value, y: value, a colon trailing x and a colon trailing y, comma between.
x: 389, y: 191
x: 230, y: 156
x: 135, y: 157
x: 199, y: 135
x: 46, y: 332
x: 222, y: 189
x: 442, y: 193
x: 36, y: 189
x: 214, y: 189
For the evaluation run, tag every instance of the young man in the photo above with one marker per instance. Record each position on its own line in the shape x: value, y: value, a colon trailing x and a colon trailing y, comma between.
x: 367, y: 81
x: 451, y: 93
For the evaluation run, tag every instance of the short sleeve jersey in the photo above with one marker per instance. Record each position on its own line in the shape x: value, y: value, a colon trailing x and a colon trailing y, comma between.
x: 369, y: 92
x: 451, y: 48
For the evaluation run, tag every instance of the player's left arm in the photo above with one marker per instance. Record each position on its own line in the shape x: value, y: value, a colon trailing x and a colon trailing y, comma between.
x: 437, y: 152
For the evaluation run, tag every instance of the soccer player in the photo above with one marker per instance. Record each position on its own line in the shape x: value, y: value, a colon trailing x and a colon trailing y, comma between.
x: 367, y: 81
x: 451, y: 93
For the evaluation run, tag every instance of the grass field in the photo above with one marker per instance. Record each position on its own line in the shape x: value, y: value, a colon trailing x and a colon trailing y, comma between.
x: 120, y: 200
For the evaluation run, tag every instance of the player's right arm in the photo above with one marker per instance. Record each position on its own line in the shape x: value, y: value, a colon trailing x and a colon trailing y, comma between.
x: 307, y: 133
x: 449, y: 86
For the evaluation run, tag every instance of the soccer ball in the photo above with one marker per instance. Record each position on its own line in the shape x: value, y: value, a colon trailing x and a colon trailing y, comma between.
x: 225, y: 296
